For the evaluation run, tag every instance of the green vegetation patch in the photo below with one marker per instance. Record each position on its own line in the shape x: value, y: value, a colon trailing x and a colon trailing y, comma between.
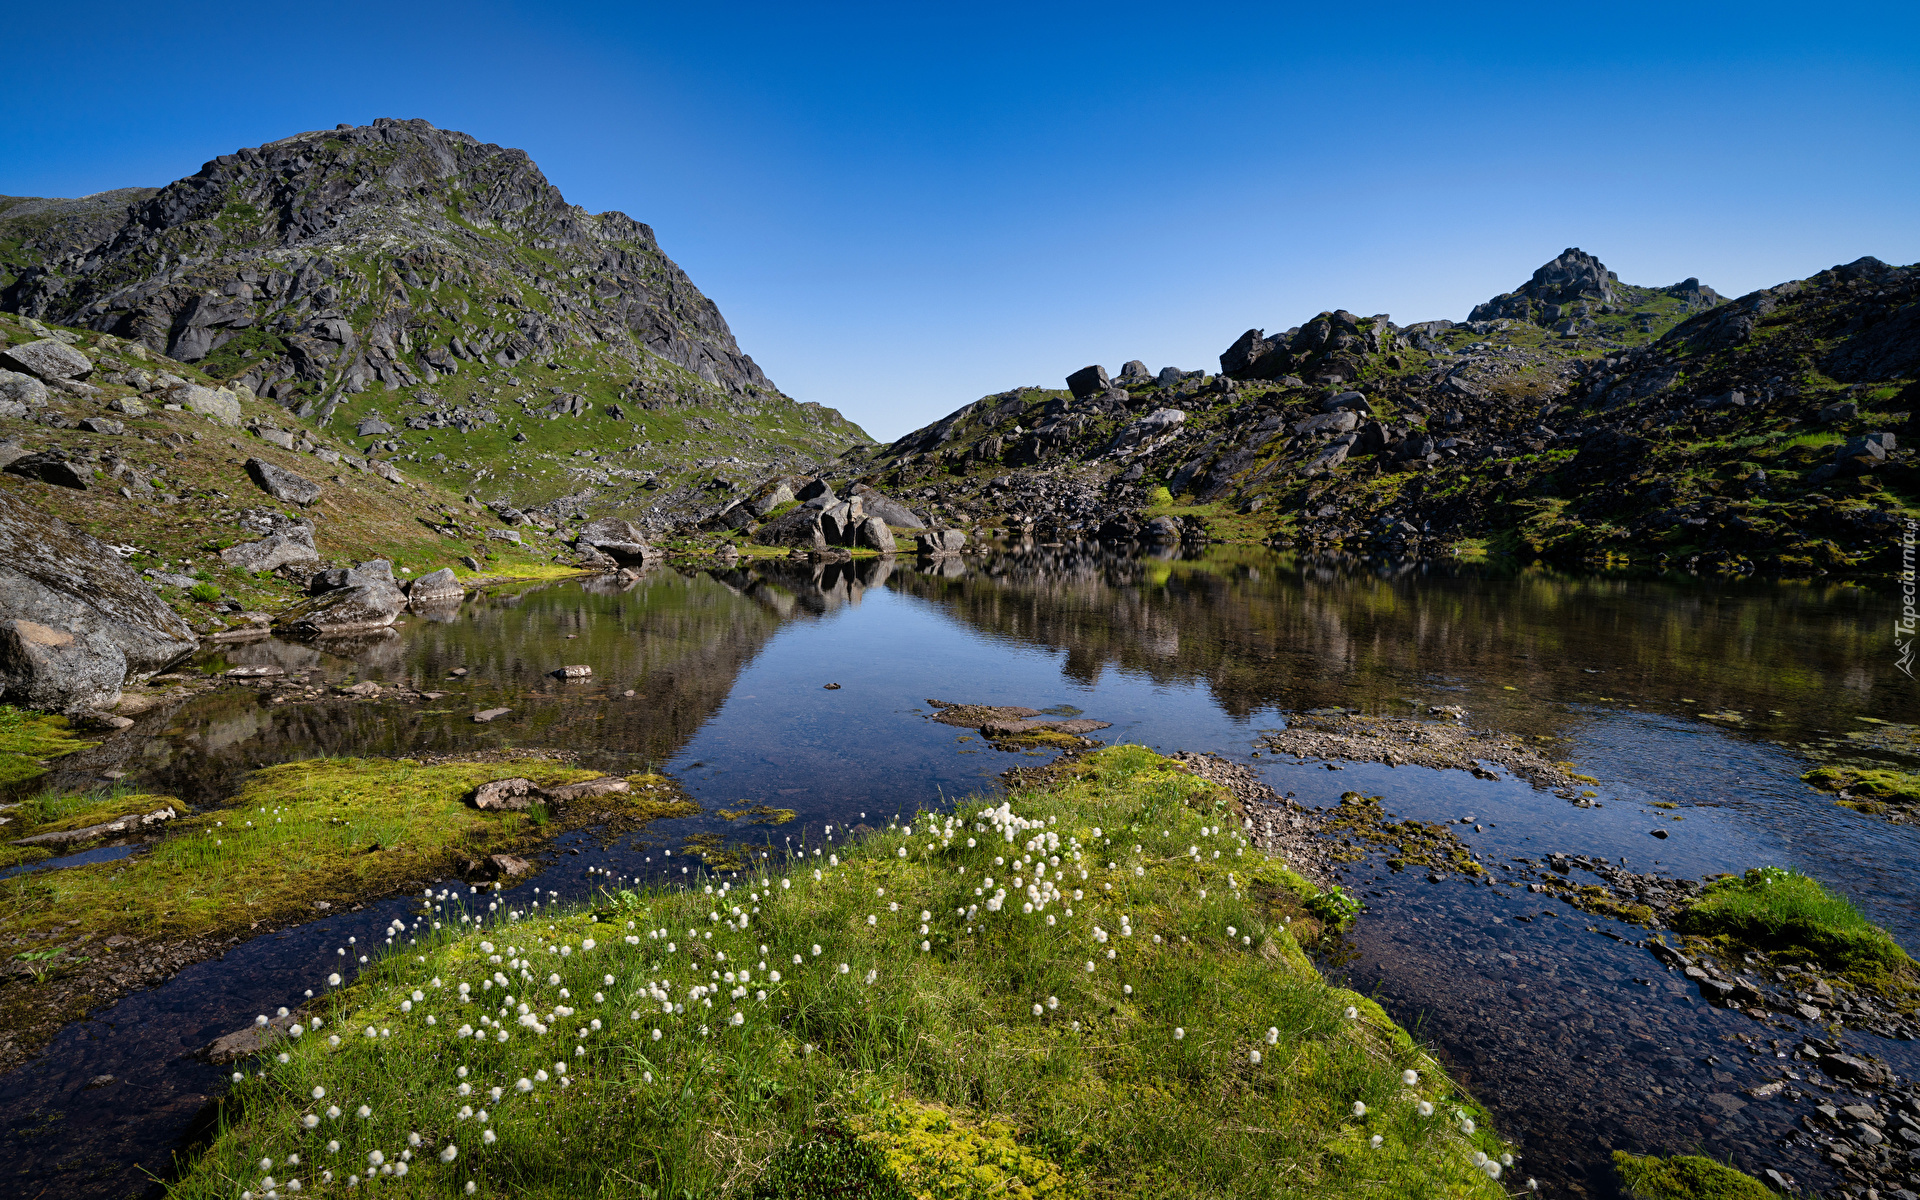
x: 1063, y: 994
x: 1868, y: 790
x: 27, y: 737
x: 336, y: 829
x: 1791, y: 915
x: 1685, y: 1177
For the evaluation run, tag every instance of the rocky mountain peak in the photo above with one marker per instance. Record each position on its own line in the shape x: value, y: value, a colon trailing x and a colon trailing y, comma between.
x: 387, y: 254
x: 1573, y: 281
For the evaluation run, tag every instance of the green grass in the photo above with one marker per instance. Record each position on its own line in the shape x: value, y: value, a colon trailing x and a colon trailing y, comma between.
x: 1789, y: 914
x: 885, y: 1034
x: 27, y: 738
x: 338, y: 830
x: 1685, y: 1177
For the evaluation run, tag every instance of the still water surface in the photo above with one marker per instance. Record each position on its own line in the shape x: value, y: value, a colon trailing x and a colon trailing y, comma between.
x: 1581, y: 1043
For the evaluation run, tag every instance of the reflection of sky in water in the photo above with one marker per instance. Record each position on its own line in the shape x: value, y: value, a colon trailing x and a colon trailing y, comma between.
x: 1581, y: 1042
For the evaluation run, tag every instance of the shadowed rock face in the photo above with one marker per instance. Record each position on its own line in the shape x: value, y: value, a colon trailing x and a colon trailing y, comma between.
x: 330, y: 249
x: 75, y: 621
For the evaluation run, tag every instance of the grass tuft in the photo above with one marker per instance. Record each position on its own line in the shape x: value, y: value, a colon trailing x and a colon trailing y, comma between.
x: 1785, y: 912
x: 1685, y: 1177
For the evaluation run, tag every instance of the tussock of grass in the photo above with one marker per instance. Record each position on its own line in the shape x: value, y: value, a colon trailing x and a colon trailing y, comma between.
x: 1902, y: 787
x: 1785, y: 912
x: 27, y: 737
x: 332, y: 829
x: 1685, y: 1177
x: 52, y: 811
x: 864, y: 1023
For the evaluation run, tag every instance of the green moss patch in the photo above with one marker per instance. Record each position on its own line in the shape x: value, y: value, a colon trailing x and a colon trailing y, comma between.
x: 334, y: 830
x: 1791, y: 915
x: 1894, y: 787
x: 1062, y: 995
x: 1685, y: 1177
x: 27, y: 738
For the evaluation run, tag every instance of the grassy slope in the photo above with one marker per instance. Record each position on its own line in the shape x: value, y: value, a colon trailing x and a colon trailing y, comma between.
x: 868, y: 1005
x: 359, y: 515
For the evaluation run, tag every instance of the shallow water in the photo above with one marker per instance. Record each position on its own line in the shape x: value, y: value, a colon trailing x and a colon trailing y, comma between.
x: 1544, y: 1019
x: 101, y: 854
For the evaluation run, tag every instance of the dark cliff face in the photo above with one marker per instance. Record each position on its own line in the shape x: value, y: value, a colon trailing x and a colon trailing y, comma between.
x: 393, y: 253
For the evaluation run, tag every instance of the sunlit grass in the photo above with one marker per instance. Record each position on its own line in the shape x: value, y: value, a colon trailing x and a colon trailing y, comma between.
x: 1091, y: 990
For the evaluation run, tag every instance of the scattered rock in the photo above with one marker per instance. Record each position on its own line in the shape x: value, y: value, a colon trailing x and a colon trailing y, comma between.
x: 515, y: 794
x: 47, y: 467
x: 606, y: 785
x: 488, y: 714
x: 506, y: 866
x: 438, y: 585
x: 577, y: 671
x: 344, y: 611
x: 939, y: 542
x: 127, y: 824
x: 291, y: 548
x: 282, y: 484
x: 47, y: 359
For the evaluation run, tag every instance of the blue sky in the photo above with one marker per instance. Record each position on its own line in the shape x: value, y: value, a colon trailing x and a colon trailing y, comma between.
x: 902, y: 208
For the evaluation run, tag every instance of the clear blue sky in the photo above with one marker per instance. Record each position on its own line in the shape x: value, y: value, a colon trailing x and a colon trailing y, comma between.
x: 901, y: 208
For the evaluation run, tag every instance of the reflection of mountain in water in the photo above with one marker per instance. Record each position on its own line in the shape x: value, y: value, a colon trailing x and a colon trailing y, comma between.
x: 1263, y: 629
x: 677, y: 641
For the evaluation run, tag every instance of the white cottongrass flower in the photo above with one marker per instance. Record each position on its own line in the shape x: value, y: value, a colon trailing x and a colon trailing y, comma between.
x: 333, y: 1147
x: 540, y: 1076
x: 319, y: 1093
x: 450, y: 1153
x: 1053, y: 1002
x: 375, y: 1158
x: 237, y: 1077
x: 1491, y: 1168
x: 310, y: 1121
x: 1376, y: 1141
x: 488, y: 1137
x: 1178, y: 1033
x: 1426, y: 1108
x: 1409, y: 1077
x: 1466, y: 1125
x: 844, y: 968
x: 1353, y: 1014
x: 333, y: 1112
x: 266, y: 1164
x: 1273, y: 1036
x: 1359, y: 1108
x: 1038, y: 1010
x: 525, y: 1084
x: 363, y: 1112
x: 1506, y: 1160
x: 1253, y: 1056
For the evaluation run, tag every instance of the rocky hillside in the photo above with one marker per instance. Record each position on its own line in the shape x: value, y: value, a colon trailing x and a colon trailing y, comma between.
x: 1575, y: 416
x: 435, y: 299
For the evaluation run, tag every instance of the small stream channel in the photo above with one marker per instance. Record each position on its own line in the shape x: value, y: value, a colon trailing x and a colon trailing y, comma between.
x: 1580, y: 1042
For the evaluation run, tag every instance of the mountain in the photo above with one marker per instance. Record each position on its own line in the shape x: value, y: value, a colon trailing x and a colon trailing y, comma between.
x: 1575, y: 416
x: 436, y: 297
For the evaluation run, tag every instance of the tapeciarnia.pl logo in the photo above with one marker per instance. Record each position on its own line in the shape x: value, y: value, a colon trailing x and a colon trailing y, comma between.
x: 1903, y: 629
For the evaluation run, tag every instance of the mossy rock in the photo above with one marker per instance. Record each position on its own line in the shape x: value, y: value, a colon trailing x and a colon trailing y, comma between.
x: 1685, y: 1177
x: 1898, y: 786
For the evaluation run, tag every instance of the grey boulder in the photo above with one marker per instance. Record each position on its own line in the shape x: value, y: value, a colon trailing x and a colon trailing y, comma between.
x: 1135, y: 372
x: 274, y: 551
x: 436, y: 586
x: 1163, y: 529
x: 888, y: 509
x: 22, y: 389
x: 47, y: 359
x: 343, y: 611
x: 282, y: 484
x: 1342, y: 421
x: 1088, y: 381
x: 769, y: 498
x: 215, y: 404
x: 75, y: 621
x: 801, y: 528
x: 49, y: 468
x: 374, y: 571
x: 874, y: 535
x: 937, y: 542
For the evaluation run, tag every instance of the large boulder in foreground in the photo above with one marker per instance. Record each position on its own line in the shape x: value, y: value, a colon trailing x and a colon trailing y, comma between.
x: 76, y: 623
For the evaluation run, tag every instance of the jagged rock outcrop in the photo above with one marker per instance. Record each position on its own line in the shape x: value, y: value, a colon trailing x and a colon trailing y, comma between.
x: 1577, y: 416
x: 76, y: 623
